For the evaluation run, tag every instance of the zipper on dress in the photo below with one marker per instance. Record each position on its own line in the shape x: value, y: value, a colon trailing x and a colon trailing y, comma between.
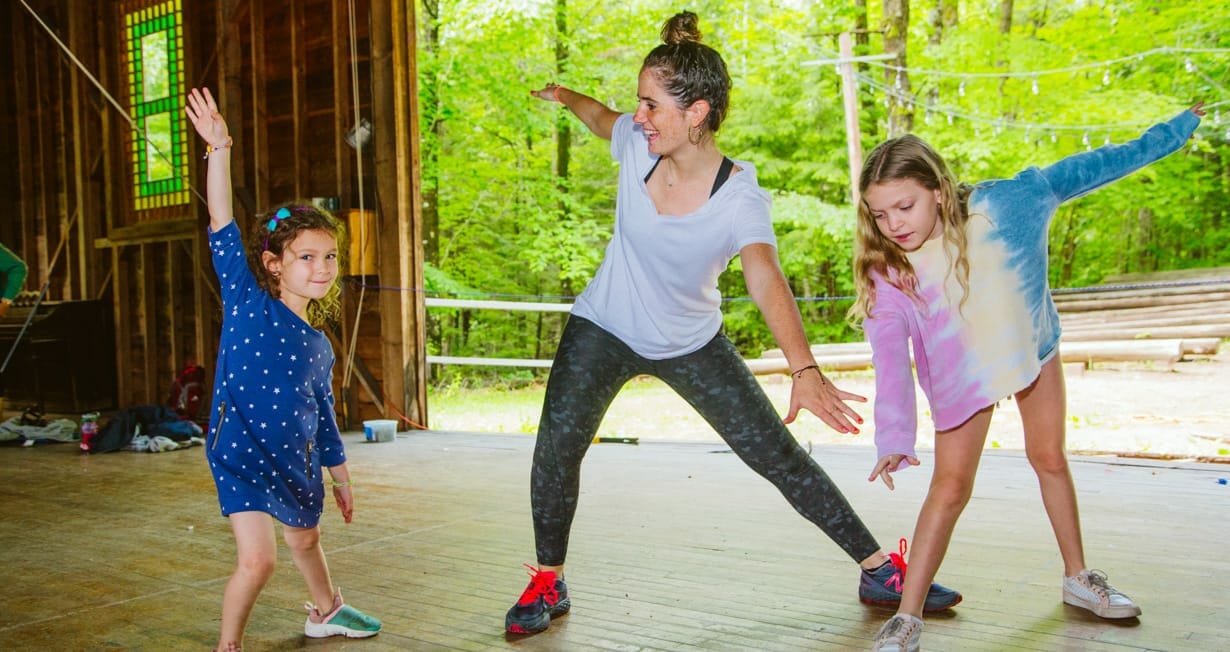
x: 307, y: 460
x: 218, y: 428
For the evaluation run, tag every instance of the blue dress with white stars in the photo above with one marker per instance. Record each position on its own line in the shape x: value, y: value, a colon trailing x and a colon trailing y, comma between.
x: 272, y: 424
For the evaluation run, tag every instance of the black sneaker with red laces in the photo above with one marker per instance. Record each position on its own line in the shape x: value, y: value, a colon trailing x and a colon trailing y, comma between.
x: 545, y: 598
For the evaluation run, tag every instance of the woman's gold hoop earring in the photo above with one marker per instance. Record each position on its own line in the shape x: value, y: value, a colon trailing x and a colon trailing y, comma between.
x: 700, y: 134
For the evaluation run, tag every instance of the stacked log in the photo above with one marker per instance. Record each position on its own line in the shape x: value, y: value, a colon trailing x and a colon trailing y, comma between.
x: 1160, y: 318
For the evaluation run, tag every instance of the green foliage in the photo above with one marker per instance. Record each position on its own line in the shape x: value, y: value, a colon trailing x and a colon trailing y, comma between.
x: 510, y: 227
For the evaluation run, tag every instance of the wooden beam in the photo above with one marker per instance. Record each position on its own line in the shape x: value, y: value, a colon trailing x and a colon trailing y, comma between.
x: 343, y: 103
x: 84, y: 253
x: 298, y: 54
x: 146, y: 273
x: 147, y: 232
x: 23, y: 97
x: 260, y: 114
x: 396, y: 142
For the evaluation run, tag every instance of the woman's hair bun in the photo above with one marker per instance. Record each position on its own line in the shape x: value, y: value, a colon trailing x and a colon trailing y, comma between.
x: 683, y: 27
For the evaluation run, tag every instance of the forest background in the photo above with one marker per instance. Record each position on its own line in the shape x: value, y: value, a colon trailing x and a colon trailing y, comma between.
x: 519, y: 196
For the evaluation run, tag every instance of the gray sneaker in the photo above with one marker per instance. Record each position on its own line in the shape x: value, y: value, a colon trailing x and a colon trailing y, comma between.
x: 899, y: 634
x: 1090, y: 590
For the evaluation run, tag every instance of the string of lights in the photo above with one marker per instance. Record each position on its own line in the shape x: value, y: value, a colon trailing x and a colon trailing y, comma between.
x: 1188, y: 64
x: 931, y: 107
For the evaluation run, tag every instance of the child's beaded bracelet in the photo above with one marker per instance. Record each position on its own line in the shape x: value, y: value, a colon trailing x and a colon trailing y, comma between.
x: 210, y: 149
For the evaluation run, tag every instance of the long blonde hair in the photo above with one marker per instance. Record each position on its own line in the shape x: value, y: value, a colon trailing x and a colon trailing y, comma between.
x: 907, y: 157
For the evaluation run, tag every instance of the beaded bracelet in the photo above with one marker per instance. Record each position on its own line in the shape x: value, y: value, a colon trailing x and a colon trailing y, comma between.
x: 343, y: 483
x: 210, y: 149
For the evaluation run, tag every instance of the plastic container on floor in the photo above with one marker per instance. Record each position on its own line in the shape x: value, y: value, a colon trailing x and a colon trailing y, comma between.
x: 380, y: 430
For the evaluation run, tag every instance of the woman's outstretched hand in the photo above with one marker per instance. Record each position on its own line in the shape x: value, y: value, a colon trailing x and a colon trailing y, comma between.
x: 209, y: 124
x: 811, y: 390
x: 888, y: 464
x: 1198, y: 110
x: 550, y: 93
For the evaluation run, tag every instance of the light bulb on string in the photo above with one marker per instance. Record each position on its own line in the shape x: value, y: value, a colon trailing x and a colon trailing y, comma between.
x: 949, y: 119
x: 1085, y: 140
x: 1188, y: 65
x: 1106, y: 77
x: 1054, y: 137
x: 1107, y: 141
x: 1035, y: 86
x: 961, y: 89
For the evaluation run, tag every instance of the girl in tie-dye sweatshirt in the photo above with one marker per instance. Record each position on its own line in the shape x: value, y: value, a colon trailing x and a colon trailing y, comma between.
x: 960, y: 272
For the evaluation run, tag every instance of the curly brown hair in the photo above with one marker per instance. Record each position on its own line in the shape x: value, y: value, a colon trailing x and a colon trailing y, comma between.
x: 303, y: 216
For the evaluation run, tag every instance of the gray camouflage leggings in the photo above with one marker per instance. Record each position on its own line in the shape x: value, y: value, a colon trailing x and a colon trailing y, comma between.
x: 591, y: 365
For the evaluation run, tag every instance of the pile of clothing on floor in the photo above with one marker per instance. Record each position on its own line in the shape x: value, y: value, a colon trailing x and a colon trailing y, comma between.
x: 147, y: 428
x: 31, y: 428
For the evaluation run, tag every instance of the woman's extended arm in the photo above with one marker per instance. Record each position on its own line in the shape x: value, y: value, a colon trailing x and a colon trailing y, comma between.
x: 810, y: 389
x: 597, y: 116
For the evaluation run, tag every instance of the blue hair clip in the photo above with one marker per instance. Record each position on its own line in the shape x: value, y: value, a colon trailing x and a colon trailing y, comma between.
x: 282, y: 214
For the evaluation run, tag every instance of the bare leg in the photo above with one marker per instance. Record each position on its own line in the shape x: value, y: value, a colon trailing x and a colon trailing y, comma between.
x: 257, y: 554
x: 1043, y: 408
x: 957, y: 453
x: 310, y: 560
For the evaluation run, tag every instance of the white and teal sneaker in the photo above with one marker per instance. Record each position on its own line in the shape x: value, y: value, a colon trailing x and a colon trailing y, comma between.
x: 343, y: 620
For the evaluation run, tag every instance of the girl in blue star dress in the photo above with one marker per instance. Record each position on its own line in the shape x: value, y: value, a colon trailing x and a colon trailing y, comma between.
x: 272, y: 425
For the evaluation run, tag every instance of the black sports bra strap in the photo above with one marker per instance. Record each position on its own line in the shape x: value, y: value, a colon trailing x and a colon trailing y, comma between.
x: 722, y: 175
x: 650, y: 172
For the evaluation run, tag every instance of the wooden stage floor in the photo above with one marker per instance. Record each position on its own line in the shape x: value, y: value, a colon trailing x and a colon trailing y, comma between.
x: 677, y: 546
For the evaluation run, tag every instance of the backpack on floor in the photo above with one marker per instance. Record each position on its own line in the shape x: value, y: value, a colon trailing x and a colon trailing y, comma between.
x: 187, y: 393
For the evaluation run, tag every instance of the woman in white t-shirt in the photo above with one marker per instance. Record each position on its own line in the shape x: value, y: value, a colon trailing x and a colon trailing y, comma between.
x: 683, y: 211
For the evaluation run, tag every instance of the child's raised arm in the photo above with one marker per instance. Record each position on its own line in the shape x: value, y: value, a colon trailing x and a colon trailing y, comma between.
x: 211, y: 126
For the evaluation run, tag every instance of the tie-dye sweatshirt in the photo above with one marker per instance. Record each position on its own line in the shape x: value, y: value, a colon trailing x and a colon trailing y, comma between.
x: 970, y: 355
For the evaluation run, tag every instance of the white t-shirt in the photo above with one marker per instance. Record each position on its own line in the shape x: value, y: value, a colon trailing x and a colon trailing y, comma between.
x: 656, y: 289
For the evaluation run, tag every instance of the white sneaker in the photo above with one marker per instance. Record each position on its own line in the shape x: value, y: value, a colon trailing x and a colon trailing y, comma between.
x: 899, y: 634
x: 1089, y: 590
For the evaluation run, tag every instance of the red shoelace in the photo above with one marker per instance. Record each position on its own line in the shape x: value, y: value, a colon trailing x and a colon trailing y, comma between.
x: 897, y: 559
x: 542, y: 584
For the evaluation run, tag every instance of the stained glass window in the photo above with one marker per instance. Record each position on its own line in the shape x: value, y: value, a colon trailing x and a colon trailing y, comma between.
x: 154, y: 53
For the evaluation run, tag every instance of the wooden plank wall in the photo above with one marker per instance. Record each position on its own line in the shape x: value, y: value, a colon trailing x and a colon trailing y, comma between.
x: 283, y: 74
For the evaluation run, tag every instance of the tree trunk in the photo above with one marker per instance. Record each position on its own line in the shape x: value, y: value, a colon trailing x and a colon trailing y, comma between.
x: 1067, y: 248
x: 896, y: 35
x: 861, y: 41
x: 563, y: 125
x: 1146, y: 254
x: 944, y: 19
x: 1005, y: 27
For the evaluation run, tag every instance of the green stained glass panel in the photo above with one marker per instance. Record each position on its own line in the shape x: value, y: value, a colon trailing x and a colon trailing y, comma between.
x: 154, y: 66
